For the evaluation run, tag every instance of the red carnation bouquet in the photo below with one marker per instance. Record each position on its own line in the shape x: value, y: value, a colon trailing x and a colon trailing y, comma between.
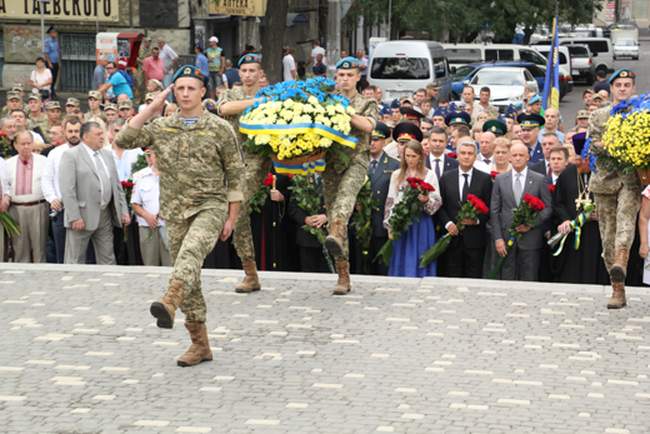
x: 470, y: 210
x: 258, y: 199
x: 525, y: 214
x: 127, y: 186
x: 404, y: 214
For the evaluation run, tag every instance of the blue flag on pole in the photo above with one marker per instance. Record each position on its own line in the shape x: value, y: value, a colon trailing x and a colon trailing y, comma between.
x: 551, y: 94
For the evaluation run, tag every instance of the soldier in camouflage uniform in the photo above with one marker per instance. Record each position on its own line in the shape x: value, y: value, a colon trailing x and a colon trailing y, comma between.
x: 617, y: 195
x: 14, y: 102
x: 230, y: 106
x: 346, y: 170
x: 37, y: 119
x: 200, y: 195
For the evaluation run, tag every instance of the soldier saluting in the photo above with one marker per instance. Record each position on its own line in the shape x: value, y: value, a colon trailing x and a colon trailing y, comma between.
x: 200, y: 195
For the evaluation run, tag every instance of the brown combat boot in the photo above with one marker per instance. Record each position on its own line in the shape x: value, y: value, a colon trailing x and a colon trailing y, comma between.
x: 617, y: 300
x: 165, y: 309
x: 343, y: 283
x: 199, y: 351
x: 251, y: 282
x: 619, y: 269
x: 335, y: 238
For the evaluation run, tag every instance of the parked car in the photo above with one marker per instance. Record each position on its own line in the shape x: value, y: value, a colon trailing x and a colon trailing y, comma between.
x: 566, y: 78
x: 601, y: 51
x: 626, y: 48
x: 463, y: 75
x: 507, y: 85
x: 582, y: 66
x: 400, y: 68
x: 462, y: 54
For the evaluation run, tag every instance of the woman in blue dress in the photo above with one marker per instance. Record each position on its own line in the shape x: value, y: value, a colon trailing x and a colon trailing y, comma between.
x: 407, y: 249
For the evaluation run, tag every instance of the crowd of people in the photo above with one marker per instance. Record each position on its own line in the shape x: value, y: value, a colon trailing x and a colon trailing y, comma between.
x: 111, y: 194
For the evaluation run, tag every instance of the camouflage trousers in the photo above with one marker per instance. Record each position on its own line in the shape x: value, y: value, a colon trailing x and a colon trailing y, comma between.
x: 617, y: 217
x: 257, y: 167
x: 190, y: 241
x: 340, y: 192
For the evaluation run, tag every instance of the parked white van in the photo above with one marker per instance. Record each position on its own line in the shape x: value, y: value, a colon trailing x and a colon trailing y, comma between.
x: 463, y: 54
x: 400, y: 68
x: 601, y: 51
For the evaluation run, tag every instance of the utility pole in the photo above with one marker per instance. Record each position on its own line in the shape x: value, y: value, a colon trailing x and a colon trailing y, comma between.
x: 333, y: 33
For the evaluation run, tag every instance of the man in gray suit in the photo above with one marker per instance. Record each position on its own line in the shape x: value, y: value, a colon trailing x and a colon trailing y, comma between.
x: 522, y: 262
x: 92, y: 198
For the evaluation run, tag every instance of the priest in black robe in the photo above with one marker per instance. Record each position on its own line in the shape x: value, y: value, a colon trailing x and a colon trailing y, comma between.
x: 586, y: 264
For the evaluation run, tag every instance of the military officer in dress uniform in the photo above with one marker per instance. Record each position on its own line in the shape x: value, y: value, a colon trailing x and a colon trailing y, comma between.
x: 379, y: 172
x: 530, y: 125
x: 200, y: 194
x: 617, y: 194
x: 344, y: 177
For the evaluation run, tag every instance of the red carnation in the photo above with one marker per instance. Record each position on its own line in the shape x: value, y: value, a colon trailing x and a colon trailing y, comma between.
x: 551, y: 188
x: 127, y: 183
x: 493, y: 174
x: 533, y: 202
x: 268, y: 180
x: 413, y: 182
x: 478, y: 204
x: 452, y: 155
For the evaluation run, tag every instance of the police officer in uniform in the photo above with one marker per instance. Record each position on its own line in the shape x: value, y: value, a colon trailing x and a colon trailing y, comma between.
x: 198, y: 156
x: 344, y: 177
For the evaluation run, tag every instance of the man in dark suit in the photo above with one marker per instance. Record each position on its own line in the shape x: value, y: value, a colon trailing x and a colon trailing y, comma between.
x: 543, y: 166
x: 523, y: 259
x: 437, y: 160
x: 379, y: 171
x: 464, y: 257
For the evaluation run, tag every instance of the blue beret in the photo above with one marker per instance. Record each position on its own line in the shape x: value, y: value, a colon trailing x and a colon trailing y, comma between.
x: 385, y: 111
x: 249, y: 58
x: 621, y: 73
x: 440, y: 112
x: 394, y: 104
x: 534, y: 100
x: 190, y: 71
x: 348, y: 63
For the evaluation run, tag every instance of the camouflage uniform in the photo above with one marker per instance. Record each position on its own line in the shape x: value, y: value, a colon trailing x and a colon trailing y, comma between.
x: 617, y: 196
x: 42, y: 124
x: 343, y: 180
x: 200, y: 173
x: 257, y: 167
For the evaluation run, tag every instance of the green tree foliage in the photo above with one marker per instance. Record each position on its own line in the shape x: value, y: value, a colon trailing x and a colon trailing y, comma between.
x: 462, y: 20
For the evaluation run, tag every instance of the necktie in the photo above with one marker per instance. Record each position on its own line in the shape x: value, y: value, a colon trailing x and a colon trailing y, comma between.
x: 437, y: 168
x: 463, y: 196
x: 106, y: 184
x: 518, y: 189
x: 487, y: 161
x: 549, y: 172
x: 373, y: 166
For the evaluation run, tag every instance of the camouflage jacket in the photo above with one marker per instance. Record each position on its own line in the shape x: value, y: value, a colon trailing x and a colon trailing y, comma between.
x: 234, y: 94
x: 200, y: 165
x: 604, y: 181
x: 365, y: 107
x: 43, y: 126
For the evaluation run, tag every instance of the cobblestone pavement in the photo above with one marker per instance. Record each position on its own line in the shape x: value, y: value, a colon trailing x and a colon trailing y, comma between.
x: 80, y: 354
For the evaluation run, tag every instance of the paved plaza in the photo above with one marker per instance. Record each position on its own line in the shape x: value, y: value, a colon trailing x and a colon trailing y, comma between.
x: 80, y: 354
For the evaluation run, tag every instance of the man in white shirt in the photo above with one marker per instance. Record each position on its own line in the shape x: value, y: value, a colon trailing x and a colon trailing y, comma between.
x: 169, y: 58
x: 552, y: 123
x: 558, y: 159
x: 437, y: 160
x: 485, y: 158
x: 316, y: 50
x: 146, y: 205
x: 289, y: 71
x: 28, y: 207
x: 50, y: 183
